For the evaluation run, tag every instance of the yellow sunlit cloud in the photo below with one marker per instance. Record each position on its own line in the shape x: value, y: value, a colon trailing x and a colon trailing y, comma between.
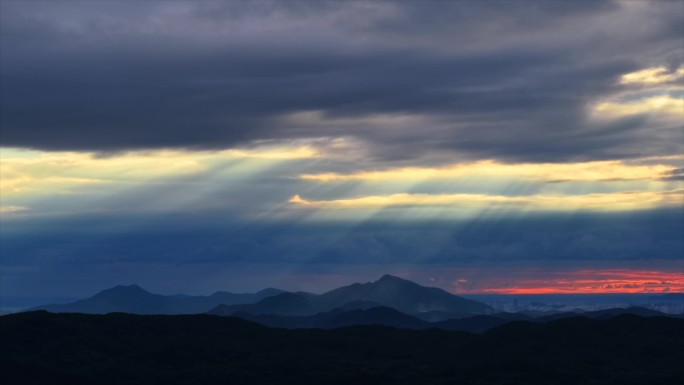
x: 650, y: 76
x: 627, y: 200
x: 36, y: 172
x: 661, y: 105
x: 302, y: 152
x: 661, y: 158
x: 583, y: 171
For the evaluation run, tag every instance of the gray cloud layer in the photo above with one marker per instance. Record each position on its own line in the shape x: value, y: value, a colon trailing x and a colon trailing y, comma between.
x: 506, y: 80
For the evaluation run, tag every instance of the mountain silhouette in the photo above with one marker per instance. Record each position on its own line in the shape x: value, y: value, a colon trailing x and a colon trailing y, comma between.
x: 200, y: 304
x: 384, y: 316
x: 389, y: 291
x: 136, y: 300
x: 126, y: 299
x: 359, y: 305
x: 401, y: 294
x: 479, y: 323
x: 381, y: 316
x: 338, y: 318
x: 283, y: 304
x: 607, y: 313
x: 44, y: 348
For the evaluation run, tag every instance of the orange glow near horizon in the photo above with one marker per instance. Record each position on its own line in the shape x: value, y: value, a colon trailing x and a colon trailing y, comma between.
x: 577, y: 282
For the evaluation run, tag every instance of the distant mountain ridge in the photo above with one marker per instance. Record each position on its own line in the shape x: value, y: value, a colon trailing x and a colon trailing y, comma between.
x: 388, y: 291
x: 403, y: 295
x: 389, y: 301
x: 291, y: 304
x: 386, y: 316
x: 136, y: 300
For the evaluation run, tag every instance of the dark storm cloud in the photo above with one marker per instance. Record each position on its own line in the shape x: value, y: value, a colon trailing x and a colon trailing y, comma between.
x: 506, y: 80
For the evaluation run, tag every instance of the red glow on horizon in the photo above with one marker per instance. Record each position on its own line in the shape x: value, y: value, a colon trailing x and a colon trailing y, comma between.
x: 586, y: 281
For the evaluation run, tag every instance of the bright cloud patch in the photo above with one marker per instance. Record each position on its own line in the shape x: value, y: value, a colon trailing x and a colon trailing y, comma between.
x: 651, y: 76
x: 655, y: 91
x: 658, y: 105
x: 33, y: 172
x: 627, y: 200
x: 584, y: 171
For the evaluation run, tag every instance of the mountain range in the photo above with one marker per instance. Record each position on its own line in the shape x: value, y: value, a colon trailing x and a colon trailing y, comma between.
x: 389, y: 301
x: 389, y: 291
x: 387, y: 316
x: 136, y: 300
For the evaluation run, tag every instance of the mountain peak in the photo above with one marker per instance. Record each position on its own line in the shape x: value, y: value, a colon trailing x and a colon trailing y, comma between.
x: 403, y: 295
x: 124, y: 290
x: 131, y: 287
x: 269, y: 291
x: 387, y: 278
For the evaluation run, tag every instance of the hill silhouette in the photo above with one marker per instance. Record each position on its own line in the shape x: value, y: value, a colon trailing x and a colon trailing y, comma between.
x: 118, y: 349
x: 136, y: 300
x: 338, y: 318
x: 282, y: 304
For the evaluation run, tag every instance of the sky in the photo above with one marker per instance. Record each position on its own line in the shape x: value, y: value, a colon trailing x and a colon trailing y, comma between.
x: 476, y: 146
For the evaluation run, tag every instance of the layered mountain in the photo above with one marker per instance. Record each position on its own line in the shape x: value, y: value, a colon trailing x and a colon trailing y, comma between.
x: 134, y: 299
x: 406, y: 296
x: 385, y: 316
x: 608, y: 313
x: 389, y: 291
x: 283, y: 304
x: 389, y: 301
x: 338, y: 318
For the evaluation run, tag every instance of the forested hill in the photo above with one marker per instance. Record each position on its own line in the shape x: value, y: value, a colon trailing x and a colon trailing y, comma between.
x: 116, y: 349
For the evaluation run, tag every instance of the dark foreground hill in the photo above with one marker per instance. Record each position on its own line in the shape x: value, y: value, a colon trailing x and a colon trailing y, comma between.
x: 386, y: 316
x: 116, y: 349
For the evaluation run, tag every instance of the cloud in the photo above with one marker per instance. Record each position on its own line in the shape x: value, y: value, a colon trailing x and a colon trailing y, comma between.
x: 573, y: 281
x: 172, y: 134
x: 676, y: 174
x: 412, y: 82
x: 51, y: 173
x: 627, y: 200
x: 650, y: 76
x: 580, y: 171
x: 664, y: 105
